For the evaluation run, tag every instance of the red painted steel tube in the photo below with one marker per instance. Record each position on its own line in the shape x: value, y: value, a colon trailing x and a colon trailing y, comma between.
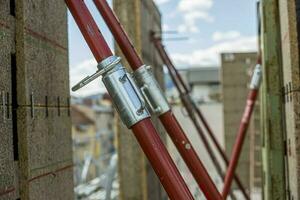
x: 119, y: 34
x: 190, y: 156
x: 221, y: 151
x: 239, y: 141
x: 168, y: 119
x: 185, y: 98
x: 144, y: 130
x: 173, y: 71
x: 154, y: 150
x: 252, y: 96
x: 89, y: 30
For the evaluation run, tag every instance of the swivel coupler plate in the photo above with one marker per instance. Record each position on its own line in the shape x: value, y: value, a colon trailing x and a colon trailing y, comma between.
x: 151, y: 91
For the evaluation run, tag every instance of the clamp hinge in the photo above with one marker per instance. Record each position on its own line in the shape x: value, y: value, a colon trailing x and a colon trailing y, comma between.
x: 151, y: 91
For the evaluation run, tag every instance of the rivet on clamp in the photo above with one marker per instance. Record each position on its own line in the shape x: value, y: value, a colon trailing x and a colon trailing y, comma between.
x: 151, y: 91
x: 123, y: 90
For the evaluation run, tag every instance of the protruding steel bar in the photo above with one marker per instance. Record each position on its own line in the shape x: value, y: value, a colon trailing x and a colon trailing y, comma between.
x: 144, y: 130
x: 168, y: 119
x: 187, y: 103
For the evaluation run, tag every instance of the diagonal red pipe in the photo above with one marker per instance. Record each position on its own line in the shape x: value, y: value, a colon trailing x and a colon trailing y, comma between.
x: 144, y: 130
x: 221, y: 151
x: 239, y: 141
x: 242, y: 131
x: 250, y: 104
x: 168, y: 119
x: 175, y: 74
x: 186, y: 101
x: 190, y: 156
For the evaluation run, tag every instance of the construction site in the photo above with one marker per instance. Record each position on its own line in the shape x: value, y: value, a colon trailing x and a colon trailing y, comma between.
x: 149, y: 100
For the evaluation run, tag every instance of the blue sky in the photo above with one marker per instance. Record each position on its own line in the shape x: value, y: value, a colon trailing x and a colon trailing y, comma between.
x: 212, y: 27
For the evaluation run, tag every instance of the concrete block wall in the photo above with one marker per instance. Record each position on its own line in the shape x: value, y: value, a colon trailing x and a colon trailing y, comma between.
x: 34, y: 61
x: 236, y: 76
x: 42, y: 38
x: 272, y: 112
x: 8, y: 145
x: 291, y: 91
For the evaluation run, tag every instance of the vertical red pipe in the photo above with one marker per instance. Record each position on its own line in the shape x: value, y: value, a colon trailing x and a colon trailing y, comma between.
x: 239, y: 141
x: 144, y: 130
x: 168, y: 119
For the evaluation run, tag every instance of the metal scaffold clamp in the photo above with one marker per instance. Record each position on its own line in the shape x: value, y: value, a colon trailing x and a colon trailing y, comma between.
x: 151, y: 91
x: 256, y: 77
x: 125, y: 94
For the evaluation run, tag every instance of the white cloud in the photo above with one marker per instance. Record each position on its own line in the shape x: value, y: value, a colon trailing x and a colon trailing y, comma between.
x: 193, y: 10
x: 166, y: 27
x: 80, y: 71
x: 211, y: 56
x: 159, y: 2
x: 193, y: 5
x: 229, y: 35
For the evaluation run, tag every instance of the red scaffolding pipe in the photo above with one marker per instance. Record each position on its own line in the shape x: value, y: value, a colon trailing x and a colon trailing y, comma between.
x: 168, y: 119
x: 144, y: 130
x: 221, y: 151
x: 250, y: 104
x: 252, y: 96
x: 175, y: 74
x: 190, y: 156
x: 186, y: 100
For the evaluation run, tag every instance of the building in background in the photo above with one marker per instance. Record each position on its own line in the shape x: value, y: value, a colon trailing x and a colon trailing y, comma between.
x: 204, y: 83
x: 205, y: 87
x: 85, y: 143
x: 93, y: 136
x: 236, y: 75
